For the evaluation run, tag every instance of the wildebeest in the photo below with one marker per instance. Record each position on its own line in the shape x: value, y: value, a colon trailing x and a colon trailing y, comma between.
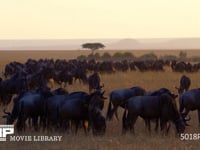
x: 184, y: 84
x: 163, y: 107
x: 158, y: 92
x: 14, y: 85
x: 178, y: 66
x: 189, y: 101
x: 119, y: 98
x: 80, y: 74
x: 12, y: 116
x: 54, y: 103
x: 80, y: 108
x: 64, y: 76
x: 31, y: 105
x: 94, y: 82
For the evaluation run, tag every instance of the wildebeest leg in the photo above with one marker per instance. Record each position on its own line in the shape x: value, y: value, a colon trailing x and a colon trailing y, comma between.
x: 109, y: 111
x: 156, y: 126
x: 23, y: 123
x: 43, y: 122
x: 30, y: 123
x: 77, y: 123
x: 116, y: 114
x: 147, y: 124
x: 49, y: 124
x: 62, y: 125
x: 132, y: 123
x: 79, y: 80
x: 184, y: 114
x: 163, y: 126
x: 35, y: 123
x: 66, y: 125
x: 65, y: 84
x: 114, y: 110
x: 181, y: 108
x: 85, y: 126
x: 168, y: 127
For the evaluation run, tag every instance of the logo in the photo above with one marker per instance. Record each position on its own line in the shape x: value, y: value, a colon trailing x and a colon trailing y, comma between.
x: 190, y: 136
x: 9, y: 129
x: 5, y: 130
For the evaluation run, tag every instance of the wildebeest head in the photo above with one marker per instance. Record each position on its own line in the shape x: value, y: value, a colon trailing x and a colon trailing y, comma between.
x: 8, y: 116
x: 11, y: 117
x: 185, y: 119
x: 98, y: 122
x: 170, y: 111
x: 161, y: 92
x: 184, y: 84
x: 180, y: 125
x: 180, y: 90
x: 99, y: 125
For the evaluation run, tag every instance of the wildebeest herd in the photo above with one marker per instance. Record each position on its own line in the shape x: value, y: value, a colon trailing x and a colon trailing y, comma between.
x: 37, y: 106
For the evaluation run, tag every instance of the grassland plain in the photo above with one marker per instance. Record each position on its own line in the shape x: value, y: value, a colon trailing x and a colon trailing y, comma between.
x: 113, y: 140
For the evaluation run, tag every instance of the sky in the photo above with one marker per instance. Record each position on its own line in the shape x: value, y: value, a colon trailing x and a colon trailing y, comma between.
x: 94, y: 19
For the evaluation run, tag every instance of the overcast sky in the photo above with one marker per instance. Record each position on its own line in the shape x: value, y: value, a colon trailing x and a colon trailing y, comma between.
x: 77, y: 19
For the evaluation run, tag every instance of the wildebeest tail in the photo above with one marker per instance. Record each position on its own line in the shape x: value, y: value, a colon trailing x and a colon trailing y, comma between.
x: 20, y: 116
x: 124, y: 119
x: 181, y: 107
x: 109, y: 110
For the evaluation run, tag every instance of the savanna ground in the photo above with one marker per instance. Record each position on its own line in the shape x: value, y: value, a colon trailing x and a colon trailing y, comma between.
x: 113, y: 138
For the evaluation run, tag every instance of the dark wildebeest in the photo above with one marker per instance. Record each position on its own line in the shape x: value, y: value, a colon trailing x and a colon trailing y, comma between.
x: 64, y: 76
x: 79, y: 73
x: 119, y: 98
x: 158, y: 92
x: 178, y: 66
x: 163, y: 107
x: 53, y: 104
x: 94, y: 82
x: 14, y: 85
x: 83, y: 108
x: 12, y: 116
x: 184, y: 84
x: 189, y: 101
x: 51, y: 111
x: 31, y: 105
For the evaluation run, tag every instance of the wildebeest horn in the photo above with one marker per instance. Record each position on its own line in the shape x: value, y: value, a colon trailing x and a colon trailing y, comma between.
x: 8, y: 113
x: 104, y: 97
x: 102, y: 85
x: 176, y: 88
x: 187, y: 119
x: 102, y: 92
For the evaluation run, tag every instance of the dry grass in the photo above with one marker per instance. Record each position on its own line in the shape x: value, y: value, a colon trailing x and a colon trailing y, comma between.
x: 113, y: 140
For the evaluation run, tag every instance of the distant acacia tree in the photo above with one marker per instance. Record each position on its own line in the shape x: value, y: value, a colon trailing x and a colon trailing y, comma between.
x: 93, y: 46
x: 182, y: 55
